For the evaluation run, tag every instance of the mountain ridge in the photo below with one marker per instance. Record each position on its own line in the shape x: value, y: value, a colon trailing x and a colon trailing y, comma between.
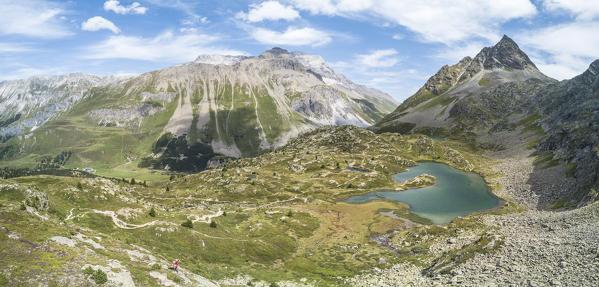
x: 228, y: 105
x: 453, y: 85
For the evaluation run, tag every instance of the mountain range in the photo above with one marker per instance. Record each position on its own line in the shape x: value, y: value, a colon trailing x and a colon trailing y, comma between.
x: 180, y: 117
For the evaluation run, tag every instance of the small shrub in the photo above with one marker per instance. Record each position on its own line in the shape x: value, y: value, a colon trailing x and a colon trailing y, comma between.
x: 289, y: 214
x: 212, y: 224
x: 350, y: 186
x: 167, y: 188
x: 418, y: 249
x: 22, y: 206
x: 88, y: 271
x: 273, y: 284
x: 187, y: 224
x: 156, y: 266
x: 79, y: 185
x: 322, y: 166
x: 100, y: 277
x: 3, y: 280
x: 224, y: 213
x: 132, y: 180
x: 152, y: 212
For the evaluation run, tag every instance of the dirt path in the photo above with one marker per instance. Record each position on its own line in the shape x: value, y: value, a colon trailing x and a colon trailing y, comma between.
x: 121, y: 224
x: 205, y: 218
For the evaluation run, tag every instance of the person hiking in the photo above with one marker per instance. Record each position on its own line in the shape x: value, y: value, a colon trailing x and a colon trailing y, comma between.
x: 176, y: 265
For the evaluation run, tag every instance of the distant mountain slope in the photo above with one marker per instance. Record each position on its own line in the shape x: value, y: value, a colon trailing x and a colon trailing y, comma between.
x: 228, y: 105
x: 28, y: 104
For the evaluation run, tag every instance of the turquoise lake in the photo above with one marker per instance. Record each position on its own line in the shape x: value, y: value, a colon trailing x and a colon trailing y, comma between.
x: 455, y: 193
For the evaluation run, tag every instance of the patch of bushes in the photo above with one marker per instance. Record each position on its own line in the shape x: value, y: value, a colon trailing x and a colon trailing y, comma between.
x: 187, y: 224
x: 97, y: 275
x: 3, y: 280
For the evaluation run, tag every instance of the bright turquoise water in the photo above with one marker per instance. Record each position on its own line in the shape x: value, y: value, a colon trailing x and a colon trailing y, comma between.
x: 455, y: 193
x: 437, y: 138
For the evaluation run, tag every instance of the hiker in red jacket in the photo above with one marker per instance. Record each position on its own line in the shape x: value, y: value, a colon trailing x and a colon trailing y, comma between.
x: 176, y: 265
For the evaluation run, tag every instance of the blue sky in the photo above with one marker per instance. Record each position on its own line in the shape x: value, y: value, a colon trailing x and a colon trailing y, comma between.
x: 392, y: 45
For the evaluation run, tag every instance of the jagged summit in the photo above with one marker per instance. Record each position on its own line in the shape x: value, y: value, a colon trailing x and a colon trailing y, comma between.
x: 505, y: 54
x: 274, y: 52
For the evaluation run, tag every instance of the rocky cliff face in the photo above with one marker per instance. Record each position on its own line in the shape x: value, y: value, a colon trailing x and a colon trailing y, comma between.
x: 569, y: 116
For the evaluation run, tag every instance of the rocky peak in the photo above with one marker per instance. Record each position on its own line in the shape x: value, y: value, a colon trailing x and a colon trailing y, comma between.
x: 591, y: 74
x: 446, y: 77
x: 274, y: 52
x: 504, y: 55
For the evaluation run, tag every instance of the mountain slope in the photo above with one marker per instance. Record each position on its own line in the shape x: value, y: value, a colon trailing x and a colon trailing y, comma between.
x: 181, y: 116
x: 27, y: 104
x: 568, y: 115
x: 474, y: 93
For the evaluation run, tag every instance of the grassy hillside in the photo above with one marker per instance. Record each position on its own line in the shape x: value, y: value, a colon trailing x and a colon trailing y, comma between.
x: 275, y: 218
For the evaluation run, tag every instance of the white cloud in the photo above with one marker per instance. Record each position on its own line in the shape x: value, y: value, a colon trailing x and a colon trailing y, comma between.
x: 454, y: 53
x: 99, y: 23
x: 116, y: 7
x: 582, y: 9
x: 13, y: 48
x: 398, y: 37
x: 35, y: 18
x: 379, y: 59
x: 291, y: 37
x: 269, y: 10
x: 434, y: 21
x: 165, y: 47
x: 563, y: 51
x: 27, y: 72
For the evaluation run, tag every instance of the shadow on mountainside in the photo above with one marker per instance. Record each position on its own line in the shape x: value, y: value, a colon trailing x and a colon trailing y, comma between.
x: 550, y: 183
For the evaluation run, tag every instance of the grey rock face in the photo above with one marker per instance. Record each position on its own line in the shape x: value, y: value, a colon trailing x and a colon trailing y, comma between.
x: 569, y: 112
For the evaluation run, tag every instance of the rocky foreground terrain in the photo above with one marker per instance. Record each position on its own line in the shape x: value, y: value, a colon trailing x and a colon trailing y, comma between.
x: 548, y: 246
